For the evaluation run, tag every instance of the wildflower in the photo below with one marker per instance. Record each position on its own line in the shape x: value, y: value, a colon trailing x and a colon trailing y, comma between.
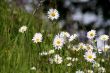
x: 89, y: 47
x: 33, y: 68
x: 58, y: 59
x: 75, y: 59
x: 51, y: 51
x: 51, y: 60
x: 106, y: 48
x: 68, y: 58
x: 90, y: 56
x: 72, y: 37
x: 37, y: 38
x: 23, y: 29
x: 81, y: 46
x: 90, y: 71
x: 104, y: 37
x: 74, y: 48
x: 53, y: 14
x: 58, y: 42
x: 43, y: 53
x: 96, y: 65
x: 69, y: 64
x: 91, y: 34
x: 79, y: 71
x: 101, y: 70
x: 64, y: 34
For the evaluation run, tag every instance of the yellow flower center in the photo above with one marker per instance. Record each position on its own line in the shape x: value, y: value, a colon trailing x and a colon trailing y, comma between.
x: 90, y: 57
x: 53, y: 14
x: 58, y: 42
x: 91, y: 34
x: 37, y: 40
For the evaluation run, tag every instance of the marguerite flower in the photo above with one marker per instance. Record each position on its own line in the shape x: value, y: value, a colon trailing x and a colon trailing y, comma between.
x: 89, y: 47
x: 53, y: 14
x: 72, y: 37
x: 104, y: 37
x: 58, y: 42
x: 37, y: 38
x: 64, y: 34
x: 58, y: 59
x: 90, y: 56
x: 91, y: 34
x: 23, y: 29
x: 106, y: 48
x: 82, y: 46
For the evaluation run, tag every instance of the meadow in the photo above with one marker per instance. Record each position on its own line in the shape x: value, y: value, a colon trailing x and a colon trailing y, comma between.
x: 33, y: 43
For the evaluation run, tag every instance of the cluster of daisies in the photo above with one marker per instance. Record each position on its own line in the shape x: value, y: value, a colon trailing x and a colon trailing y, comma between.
x: 64, y: 38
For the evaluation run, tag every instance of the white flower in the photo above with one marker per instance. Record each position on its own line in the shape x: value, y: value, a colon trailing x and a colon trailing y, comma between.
x: 33, y: 68
x: 89, y: 47
x: 90, y: 71
x: 74, y: 48
x: 73, y: 37
x: 58, y: 59
x: 51, y: 51
x: 82, y: 46
x: 104, y: 37
x: 101, y: 70
x: 106, y: 48
x: 23, y: 29
x: 53, y: 14
x: 58, y: 42
x: 43, y: 53
x: 51, y: 60
x: 79, y: 71
x: 75, y: 59
x: 96, y: 65
x: 90, y: 56
x: 91, y: 34
x: 37, y: 38
x: 68, y: 58
x: 64, y: 34
x: 69, y: 64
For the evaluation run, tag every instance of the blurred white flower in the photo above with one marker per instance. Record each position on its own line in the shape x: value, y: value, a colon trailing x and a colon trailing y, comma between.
x: 82, y: 46
x: 58, y: 42
x: 51, y: 51
x: 90, y: 71
x: 90, y: 56
x: 58, y: 59
x: 75, y: 59
x: 68, y: 58
x: 79, y: 71
x: 91, y: 34
x: 37, y: 38
x: 33, y: 68
x: 64, y: 34
x: 51, y: 60
x: 106, y: 48
x: 101, y: 70
x: 74, y: 48
x: 89, y: 47
x: 69, y: 64
x: 44, y: 53
x: 104, y: 37
x: 72, y: 37
x: 96, y: 65
x: 23, y: 29
x: 53, y: 14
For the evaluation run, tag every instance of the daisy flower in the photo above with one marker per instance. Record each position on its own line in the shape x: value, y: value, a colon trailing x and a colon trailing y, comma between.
x: 89, y: 47
x: 58, y: 42
x: 23, y: 29
x: 37, y: 38
x: 58, y: 59
x: 72, y: 37
x: 91, y: 34
x: 64, y: 34
x: 104, y: 37
x: 82, y: 46
x: 106, y: 48
x: 90, y: 56
x: 53, y: 14
x: 90, y: 71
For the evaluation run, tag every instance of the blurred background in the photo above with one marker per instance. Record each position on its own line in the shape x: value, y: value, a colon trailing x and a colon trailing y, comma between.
x: 76, y: 16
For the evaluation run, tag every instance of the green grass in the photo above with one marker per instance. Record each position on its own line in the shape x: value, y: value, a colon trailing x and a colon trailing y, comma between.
x: 18, y: 53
